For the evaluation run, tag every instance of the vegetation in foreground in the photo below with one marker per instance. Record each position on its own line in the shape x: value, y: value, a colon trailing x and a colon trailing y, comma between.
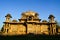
x: 30, y: 37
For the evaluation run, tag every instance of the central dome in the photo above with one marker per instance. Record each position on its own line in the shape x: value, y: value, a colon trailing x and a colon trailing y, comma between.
x: 29, y: 13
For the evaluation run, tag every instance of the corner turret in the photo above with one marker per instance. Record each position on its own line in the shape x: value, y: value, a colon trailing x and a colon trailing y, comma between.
x: 51, y: 18
x: 8, y: 16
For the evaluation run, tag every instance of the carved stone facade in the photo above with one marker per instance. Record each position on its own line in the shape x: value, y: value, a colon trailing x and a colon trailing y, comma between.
x: 29, y: 23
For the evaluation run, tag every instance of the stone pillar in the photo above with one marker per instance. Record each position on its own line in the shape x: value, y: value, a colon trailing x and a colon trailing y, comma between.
x: 50, y: 32
x: 6, y: 27
x: 54, y: 29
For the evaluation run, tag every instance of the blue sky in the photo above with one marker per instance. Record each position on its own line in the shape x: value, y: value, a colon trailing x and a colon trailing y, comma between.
x: 43, y: 7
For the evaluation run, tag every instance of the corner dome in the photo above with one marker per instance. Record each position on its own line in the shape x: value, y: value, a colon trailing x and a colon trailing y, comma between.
x: 44, y: 20
x: 51, y: 16
x: 14, y: 20
x: 8, y: 15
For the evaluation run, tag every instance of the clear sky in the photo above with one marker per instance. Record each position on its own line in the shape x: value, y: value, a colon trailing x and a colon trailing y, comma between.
x: 43, y: 7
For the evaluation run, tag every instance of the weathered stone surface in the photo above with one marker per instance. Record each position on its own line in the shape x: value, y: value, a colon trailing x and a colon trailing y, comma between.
x: 29, y: 23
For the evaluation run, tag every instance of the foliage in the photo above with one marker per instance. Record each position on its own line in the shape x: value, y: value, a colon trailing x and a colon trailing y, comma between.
x: 31, y: 37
